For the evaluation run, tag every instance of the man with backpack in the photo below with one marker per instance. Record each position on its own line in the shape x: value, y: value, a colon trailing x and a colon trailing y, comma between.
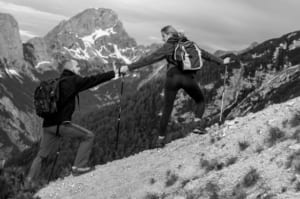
x: 184, y: 59
x: 57, y: 115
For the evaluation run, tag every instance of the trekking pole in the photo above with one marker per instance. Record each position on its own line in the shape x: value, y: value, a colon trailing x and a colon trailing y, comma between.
x: 223, y: 94
x: 120, y: 111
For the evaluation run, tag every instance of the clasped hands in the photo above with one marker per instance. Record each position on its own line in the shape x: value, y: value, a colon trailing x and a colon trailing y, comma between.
x: 120, y: 70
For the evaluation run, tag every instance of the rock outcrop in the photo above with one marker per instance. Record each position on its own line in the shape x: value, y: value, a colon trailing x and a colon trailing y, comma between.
x: 10, y: 40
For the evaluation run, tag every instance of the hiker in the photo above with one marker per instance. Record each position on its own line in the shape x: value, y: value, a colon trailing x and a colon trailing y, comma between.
x: 60, y: 124
x: 176, y: 77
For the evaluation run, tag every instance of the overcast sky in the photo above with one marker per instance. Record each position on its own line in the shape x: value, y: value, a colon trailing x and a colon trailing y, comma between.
x: 214, y: 24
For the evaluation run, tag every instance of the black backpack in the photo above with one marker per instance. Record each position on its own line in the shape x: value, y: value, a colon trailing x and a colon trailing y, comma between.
x: 189, y: 54
x: 46, y: 96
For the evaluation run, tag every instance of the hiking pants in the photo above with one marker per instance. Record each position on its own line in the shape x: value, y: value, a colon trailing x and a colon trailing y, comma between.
x: 174, y: 82
x: 50, y: 144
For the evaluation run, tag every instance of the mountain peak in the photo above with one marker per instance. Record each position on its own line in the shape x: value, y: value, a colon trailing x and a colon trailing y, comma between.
x: 90, y: 35
x: 10, y: 40
x: 86, y: 22
x: 97, y: 18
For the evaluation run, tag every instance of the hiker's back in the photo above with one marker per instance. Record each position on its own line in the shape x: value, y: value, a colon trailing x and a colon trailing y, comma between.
x: 66, y: 102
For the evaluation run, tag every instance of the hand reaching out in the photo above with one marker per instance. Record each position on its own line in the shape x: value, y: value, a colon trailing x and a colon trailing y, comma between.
x: 116, y: 70
x: 124, y: 69
x: 226, y: 60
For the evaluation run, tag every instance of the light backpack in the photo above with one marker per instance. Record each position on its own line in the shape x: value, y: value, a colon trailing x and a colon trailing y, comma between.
x: 189, y: 54
x: 46, y: 96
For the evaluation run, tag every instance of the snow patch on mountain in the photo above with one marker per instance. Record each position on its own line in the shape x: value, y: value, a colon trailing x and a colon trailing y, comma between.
x: 120, y: 56
x: 90, y: 49
x: 42, y: 63
x: 44, y: 66
x: 13, y: 73
x: 258, y: 55
x: 291, y: 35
x: 294, y: 45
x: 78, y: 53
x: 90, y: 39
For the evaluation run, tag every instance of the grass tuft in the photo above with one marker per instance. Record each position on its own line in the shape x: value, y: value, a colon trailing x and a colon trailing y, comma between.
x: 295, y: 121
x: 243, y: 145
x: 275, y: 135
x: 251, y: 178
x: 152, y: 196
x: 171, y: 178
x: 231, y: 161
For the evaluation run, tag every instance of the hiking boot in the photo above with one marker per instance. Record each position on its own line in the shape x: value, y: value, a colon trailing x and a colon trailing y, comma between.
x: 29, y: 184
x: 76, y: 171
x: 161, y: 141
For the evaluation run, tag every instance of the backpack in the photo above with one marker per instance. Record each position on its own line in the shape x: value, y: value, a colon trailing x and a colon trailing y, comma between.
x: 46, y: 96
x: 189, y: 54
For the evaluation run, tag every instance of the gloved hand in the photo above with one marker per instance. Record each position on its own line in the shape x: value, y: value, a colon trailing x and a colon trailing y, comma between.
x: 226, y: 60
x: 116, y: 70
x: 124, y: 69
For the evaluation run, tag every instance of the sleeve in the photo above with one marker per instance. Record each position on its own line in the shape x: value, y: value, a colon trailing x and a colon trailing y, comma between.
x: 84, y: 83
x: 156, y: 56
x: 209, y: 57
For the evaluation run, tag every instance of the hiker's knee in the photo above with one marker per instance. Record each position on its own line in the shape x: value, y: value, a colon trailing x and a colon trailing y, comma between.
x: 40, y: 158
x: 90, y: 135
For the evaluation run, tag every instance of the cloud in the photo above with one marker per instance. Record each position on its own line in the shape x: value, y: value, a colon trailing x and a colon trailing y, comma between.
x: 226, y: 24
x: 38, y: 22
x: 14, y: 8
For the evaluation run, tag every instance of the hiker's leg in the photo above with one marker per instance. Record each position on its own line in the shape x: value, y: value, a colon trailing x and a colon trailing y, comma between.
x: 192, y: 88
x: 170, y: 92
x: 86, y: 142
x: 48, y: 145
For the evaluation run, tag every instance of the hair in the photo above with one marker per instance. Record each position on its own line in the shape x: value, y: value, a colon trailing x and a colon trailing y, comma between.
x: 62, y: 59
x: 170, y: 30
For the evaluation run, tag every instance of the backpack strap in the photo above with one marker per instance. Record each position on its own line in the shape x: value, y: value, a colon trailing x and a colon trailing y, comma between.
x: 58, y: 89
x: 57, y: 131
x: 57, y: 85
x: 78, y: 102
x: 176, y: 48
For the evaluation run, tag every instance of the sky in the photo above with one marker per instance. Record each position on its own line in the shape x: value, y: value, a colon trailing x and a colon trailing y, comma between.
x: 214, y: 24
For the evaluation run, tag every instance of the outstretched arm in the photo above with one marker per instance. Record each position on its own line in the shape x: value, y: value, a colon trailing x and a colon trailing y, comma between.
x: 84, y: 83
x: 209, y: 57
x: 156, y: 56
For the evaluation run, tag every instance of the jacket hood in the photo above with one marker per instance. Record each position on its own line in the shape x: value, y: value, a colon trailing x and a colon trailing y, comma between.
x: 67, y: 72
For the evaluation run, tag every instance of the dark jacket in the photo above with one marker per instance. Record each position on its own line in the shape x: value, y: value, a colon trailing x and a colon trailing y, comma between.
x: 167, y: 52
x: 70, y: 86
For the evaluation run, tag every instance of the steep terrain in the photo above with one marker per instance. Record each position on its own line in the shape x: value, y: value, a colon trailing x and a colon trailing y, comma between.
x: 256, y: 156
x: 256, y: 78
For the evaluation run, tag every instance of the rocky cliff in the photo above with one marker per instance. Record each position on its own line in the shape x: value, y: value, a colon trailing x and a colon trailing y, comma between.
x: 10, y: 40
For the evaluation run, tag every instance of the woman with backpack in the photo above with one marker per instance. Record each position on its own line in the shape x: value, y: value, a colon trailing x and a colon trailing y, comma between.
x: 176, y: 77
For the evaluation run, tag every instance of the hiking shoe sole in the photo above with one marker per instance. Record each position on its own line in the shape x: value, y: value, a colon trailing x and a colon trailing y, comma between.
x: 79, y: 171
